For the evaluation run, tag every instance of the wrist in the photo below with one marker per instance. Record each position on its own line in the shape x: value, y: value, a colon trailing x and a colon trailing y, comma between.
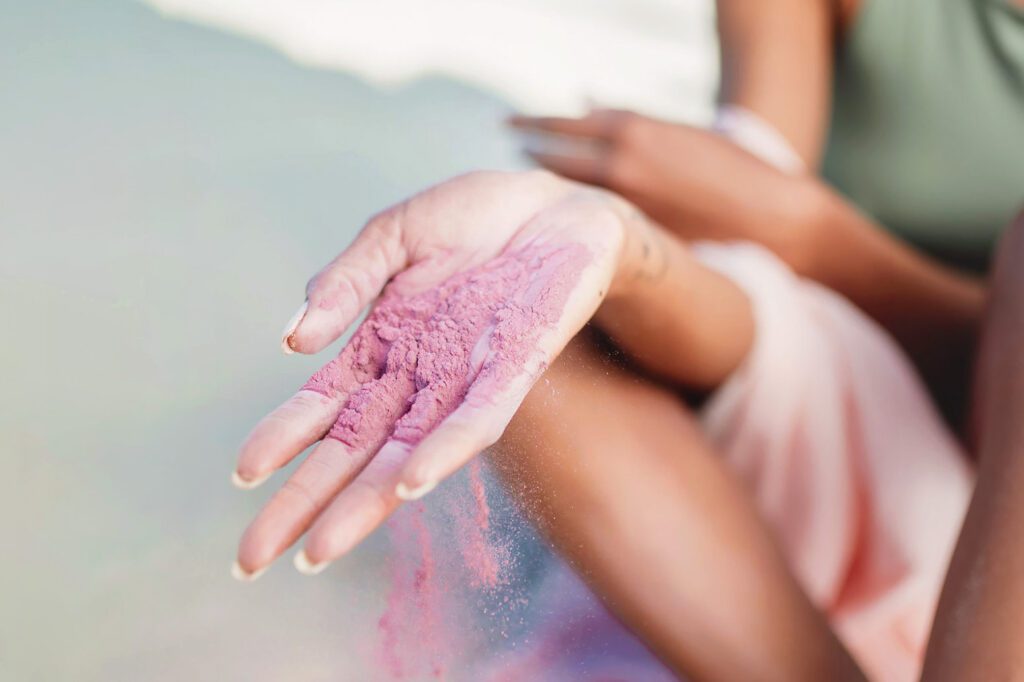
x: 808, y: 213
x: 643, y: 257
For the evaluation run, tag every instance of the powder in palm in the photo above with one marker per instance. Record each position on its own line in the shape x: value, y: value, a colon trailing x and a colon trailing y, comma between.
x: 412, y: 361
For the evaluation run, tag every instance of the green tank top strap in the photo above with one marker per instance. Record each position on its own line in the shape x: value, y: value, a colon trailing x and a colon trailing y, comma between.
x: 927, y: 130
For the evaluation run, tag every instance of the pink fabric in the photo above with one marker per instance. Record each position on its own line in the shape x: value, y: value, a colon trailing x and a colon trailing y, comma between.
x: 830, y: 429
x: 847, y: 459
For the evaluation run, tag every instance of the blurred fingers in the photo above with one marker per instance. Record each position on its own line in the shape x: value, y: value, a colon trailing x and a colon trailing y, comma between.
x: 587, y: 168
x: 601, y: 124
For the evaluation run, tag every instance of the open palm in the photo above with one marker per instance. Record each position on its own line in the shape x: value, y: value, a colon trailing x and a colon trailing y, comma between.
x: 474, y: 286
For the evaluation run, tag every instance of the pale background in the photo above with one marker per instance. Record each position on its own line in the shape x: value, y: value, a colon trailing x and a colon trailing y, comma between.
x: 165, y: 190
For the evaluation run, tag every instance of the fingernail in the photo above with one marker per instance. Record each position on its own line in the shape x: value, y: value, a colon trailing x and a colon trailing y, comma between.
x: 289, y: 329
x: 307, y: 567
x: 239, y: 573
x: 408, y: 494
x: 248, y: 484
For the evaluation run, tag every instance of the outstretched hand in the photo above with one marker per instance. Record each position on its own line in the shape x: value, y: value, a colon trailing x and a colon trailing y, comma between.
x: 473, y: 287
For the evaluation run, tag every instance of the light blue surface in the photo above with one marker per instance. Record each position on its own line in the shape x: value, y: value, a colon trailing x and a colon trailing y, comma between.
x: 165, y: 191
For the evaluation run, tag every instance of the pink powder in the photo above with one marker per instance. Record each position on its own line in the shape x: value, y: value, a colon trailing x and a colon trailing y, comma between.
x: 390, y: 628
x: 409, y: 365
x: 412, y: 361
x: 486, y: 561
x: 437, y: 568
x: 415, y: 641
x: 429, y: 597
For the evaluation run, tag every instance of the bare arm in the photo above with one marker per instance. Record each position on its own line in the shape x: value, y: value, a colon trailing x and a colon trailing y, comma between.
x: 700, y: 185
x: 979, y: 628
x: 777, y: 63
x: 933, y: 311
x: 672, y: 315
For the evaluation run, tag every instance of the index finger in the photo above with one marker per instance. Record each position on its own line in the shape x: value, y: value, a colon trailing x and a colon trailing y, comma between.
x: 348, y: 284
x: 594, y: 125
x: 602, y: 125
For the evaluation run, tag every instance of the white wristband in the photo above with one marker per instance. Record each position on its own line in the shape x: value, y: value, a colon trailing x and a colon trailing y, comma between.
x: 757, y: 136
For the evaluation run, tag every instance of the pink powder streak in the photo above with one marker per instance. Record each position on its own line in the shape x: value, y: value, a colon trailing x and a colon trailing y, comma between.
x: 486, y: 562
x: 413, y: 638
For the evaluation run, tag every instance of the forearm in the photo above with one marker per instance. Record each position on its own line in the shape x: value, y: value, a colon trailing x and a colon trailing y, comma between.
x: 932, y: 310
x: 672, y: 315
x: 777, y: 62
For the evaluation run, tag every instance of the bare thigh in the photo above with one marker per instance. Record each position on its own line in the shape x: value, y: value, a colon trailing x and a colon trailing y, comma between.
x: 615, y: 471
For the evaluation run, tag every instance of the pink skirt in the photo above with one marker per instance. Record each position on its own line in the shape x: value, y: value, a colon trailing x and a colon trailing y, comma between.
x: 835, y: 438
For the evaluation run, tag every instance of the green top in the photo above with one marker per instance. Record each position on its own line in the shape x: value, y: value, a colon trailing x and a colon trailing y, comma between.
x: 927, y: 130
